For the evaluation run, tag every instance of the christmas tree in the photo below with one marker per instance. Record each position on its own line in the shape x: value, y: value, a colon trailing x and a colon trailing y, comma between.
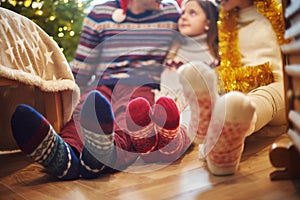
x: 60, y: 19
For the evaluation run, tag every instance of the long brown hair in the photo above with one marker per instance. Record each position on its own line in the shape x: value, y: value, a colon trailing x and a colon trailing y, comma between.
x: 212, y: 14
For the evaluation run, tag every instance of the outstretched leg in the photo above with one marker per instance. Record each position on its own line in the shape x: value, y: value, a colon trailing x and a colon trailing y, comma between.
x: 97, y: 121
x: 233, y: 118
x: 200, y: 89
x: 38, y: 140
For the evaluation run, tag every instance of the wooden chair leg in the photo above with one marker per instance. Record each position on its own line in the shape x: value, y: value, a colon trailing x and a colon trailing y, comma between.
x: 54, y: 110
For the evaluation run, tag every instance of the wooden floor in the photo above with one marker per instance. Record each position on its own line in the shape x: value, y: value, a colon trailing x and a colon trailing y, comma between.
x: 186, y: 179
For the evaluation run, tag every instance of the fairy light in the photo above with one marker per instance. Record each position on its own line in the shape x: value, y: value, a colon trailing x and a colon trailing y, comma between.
x: 27, y: 3
x: 39, y: 12
x: 52, y: 18
x: 36, y: 5
x: 61, y: 34
x: 79, y: 4
x: 72, y: 33
x: 13, y: 2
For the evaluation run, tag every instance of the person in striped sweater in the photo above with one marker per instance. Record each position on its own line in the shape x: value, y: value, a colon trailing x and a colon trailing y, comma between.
x: 117, y: 66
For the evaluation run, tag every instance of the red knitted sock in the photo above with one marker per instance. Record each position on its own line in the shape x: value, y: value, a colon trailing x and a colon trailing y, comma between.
x: 166, y: 118
x: 140, y: 127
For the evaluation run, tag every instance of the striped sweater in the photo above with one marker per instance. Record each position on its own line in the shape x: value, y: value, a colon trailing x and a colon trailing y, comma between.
x: 130, y: 52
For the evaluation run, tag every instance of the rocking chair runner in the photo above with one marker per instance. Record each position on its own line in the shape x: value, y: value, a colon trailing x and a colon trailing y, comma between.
x: 33, y: 71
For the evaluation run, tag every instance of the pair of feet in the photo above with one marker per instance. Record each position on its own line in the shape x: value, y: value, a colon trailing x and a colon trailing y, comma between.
x: 220, y: 123
x: 155, y: 130
x: 150, y: 128
x: 39, y: 141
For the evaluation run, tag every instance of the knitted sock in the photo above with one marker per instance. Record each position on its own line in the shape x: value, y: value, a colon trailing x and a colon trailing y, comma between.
x: 36, y: 138
x: 200, y: 90
x: 233, y: 116
x: 166, y: 118
x: 97, y: 122
x: 140, y: 128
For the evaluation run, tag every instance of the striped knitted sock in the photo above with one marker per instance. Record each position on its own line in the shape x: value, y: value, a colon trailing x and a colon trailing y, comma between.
x: 97, y: 122
x: 166, y: 118
x: 37, y: 139
x: 140, y: 128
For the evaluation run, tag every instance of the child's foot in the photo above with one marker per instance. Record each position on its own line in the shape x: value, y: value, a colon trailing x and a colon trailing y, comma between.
x: 141, y: 129
x: 36, y: 138
x: 233, y: 117
x: 200, y: 90
x: 97, y: 122
x: 166, y: 118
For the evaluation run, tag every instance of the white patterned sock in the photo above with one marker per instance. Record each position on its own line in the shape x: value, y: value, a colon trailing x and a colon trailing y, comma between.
x: 200, y: 89
x: 232, y: 118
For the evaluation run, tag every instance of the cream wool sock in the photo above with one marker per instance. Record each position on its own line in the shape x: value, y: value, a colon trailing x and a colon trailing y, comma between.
x: 200, y: 89
x: 233, y: 118
x: 223, y: 122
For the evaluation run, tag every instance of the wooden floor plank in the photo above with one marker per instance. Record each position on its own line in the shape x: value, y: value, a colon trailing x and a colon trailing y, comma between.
x: 184, y: 179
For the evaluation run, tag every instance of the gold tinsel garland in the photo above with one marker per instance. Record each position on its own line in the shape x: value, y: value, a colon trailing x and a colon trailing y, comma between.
x: 245, y: 79
x: 232, y: 75
x: 272, y: 10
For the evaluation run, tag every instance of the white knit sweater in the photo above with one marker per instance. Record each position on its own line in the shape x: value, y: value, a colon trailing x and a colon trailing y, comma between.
x: 191, y: 49
x: 258, y: 42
